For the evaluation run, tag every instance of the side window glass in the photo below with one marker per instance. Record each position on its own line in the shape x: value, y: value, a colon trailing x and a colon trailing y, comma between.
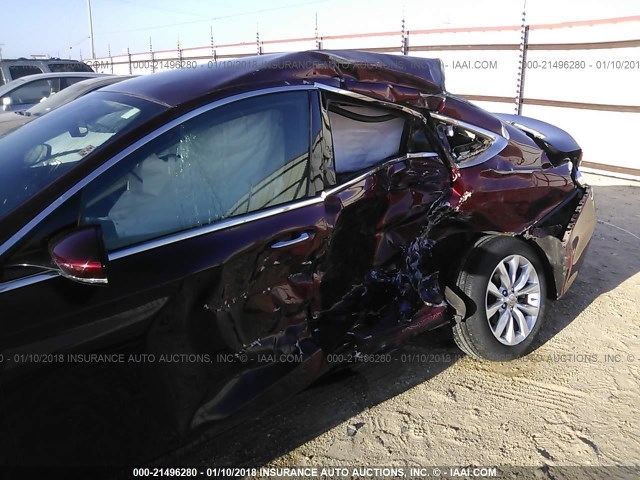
x: 69, y: 67
x: 321, y: 169
x: 363, y: 136
x: 33, y: 253
x: 68, y: 81
x: 239, y: 158
x: 464, y: 144
x: 18, y: 71
x: 33, y: 92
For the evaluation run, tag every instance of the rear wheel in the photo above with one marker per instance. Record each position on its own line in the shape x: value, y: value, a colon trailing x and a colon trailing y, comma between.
x: 502, y: 283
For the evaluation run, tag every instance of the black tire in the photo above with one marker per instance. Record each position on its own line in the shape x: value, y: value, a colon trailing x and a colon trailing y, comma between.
x: 473, y: 333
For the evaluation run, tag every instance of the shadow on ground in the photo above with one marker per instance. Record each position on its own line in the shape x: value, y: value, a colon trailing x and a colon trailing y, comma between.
x: 327, y: 403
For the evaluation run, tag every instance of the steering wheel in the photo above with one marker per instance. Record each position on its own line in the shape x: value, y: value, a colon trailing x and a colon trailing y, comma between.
x: 37, y: 154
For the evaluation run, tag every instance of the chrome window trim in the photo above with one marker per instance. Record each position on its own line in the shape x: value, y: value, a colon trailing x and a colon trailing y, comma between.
x: 26, y: 281
x: 132, y: 148
x: 214, y: 227
x: 364, y: 98
x: 376, y: 169
x: 250, y: 217
x: 87, y: 281
x: 222, y: 225
x: 16, y: 237
x: 498, y: 142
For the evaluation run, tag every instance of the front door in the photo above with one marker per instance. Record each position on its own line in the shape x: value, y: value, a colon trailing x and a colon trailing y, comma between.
x: 212, y: 235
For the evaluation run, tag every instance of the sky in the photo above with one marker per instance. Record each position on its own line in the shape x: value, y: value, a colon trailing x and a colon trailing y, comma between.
x: 61, y: 28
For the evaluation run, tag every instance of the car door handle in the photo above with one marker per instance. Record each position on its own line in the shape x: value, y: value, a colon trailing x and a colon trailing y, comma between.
x: 304, y: 236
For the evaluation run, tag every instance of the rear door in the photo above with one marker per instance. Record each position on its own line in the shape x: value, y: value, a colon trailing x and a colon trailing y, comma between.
x: 376, y: 278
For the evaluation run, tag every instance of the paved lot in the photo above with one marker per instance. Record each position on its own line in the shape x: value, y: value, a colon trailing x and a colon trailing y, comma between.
x: 574, y: 401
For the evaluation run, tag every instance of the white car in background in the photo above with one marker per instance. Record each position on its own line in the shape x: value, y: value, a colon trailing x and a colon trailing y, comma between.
x: 9, y: 121
x: 25, y: 92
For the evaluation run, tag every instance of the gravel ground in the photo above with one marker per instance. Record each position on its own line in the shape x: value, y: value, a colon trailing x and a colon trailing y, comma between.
x: 573, y: 401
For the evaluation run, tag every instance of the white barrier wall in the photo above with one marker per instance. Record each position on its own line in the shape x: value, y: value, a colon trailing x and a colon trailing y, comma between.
x: 586, y: 63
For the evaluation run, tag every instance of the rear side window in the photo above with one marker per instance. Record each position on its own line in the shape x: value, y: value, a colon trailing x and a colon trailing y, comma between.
x: 69, y: 67
x: 363, y: 136
x: 464, y: 144
x: 68, y: 81
x: 242, y: 157
x: 18, y: 71
x: 33, y: 92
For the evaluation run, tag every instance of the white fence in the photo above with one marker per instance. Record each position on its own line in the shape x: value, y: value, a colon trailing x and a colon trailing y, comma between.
x: 582, y: 76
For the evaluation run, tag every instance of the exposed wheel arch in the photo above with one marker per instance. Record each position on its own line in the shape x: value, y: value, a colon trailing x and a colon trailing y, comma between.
x: 454, y: 249
x: 550, y: 277
x: 500, y: 321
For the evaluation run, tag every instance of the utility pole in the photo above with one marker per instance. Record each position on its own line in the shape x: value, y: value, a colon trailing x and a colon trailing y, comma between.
x: 1, y: 45
x: 153, y: 59
x: 404, y: 37
x: 258, y: 39
x: 524, y: 46
x: 93, y: 50
x: 213, y: 46
x: 318, y: 42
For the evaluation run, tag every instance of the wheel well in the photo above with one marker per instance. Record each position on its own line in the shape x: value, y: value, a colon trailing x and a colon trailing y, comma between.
x: 552, y: 292
x: 452, y: 250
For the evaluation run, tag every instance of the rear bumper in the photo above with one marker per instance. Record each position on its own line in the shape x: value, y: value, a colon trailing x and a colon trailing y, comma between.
x: 576, y: 239
x: 566, y: 251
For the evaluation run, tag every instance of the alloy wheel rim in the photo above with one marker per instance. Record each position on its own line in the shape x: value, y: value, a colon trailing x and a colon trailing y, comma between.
x: 513, y: 300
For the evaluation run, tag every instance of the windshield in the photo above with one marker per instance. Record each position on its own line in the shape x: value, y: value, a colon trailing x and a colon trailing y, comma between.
x: 37, y: 154
x: 59, y: 99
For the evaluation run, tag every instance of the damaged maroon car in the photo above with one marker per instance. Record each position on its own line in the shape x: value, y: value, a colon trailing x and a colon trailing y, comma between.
x: 237, y: 226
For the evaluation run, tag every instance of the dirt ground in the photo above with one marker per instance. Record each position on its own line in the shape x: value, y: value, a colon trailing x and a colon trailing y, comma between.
x: 574, y: 401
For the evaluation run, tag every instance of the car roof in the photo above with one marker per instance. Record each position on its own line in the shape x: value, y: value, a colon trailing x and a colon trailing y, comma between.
x: 103, y: 80
x: 86, y: 86
x: 39, y: 76
x: 52, y: 59
x: 79, y: 89
x: 45, y: 76
x: 345, y: 68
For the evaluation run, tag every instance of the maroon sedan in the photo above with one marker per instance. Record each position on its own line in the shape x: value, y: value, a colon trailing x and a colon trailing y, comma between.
x: 194, y: 244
